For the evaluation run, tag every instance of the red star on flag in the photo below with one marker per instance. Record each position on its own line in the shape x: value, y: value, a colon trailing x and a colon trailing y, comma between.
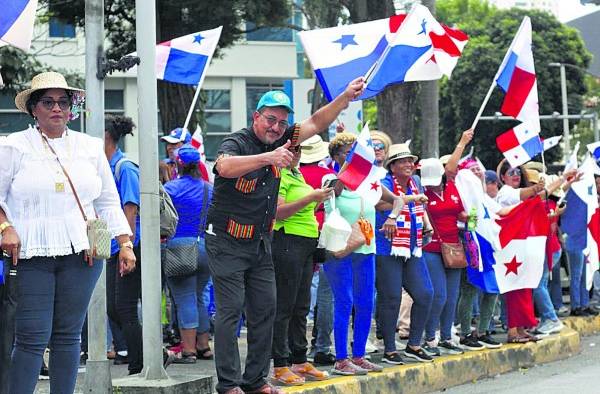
x: 512, y: 266
x: 432, y: 59
x: 374, y: 185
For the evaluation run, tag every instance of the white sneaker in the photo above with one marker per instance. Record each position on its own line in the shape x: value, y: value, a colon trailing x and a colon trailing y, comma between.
x: 550, y: 327
x: 370, y: 347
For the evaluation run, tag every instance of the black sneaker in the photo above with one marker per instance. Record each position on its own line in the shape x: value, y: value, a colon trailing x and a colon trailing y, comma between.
x: 393, y: 358
x: 324, y: 358
x: 447, y: 347
x: 431, y: 350
x: 120, y: 360
x: 418, y: 355
x: 591, y: 311
x: 488, y: 342
x: 470, y: 343
x: 579, y: 312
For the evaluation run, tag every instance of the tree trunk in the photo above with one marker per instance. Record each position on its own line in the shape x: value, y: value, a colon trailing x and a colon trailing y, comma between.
x: 396, y: 110
x: 429, y: 108
x: 174, y: 101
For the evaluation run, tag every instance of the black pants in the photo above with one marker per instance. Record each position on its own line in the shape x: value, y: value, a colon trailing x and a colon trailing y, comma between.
x: 8, y: 307
x: 122, y: 295
x: 293, y: 262
x: 243, y: 279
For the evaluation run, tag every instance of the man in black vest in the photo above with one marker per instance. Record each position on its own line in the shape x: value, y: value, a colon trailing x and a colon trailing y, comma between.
x: 240, y: 224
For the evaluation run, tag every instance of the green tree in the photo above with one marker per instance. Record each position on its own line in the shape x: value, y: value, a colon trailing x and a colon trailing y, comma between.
x: 174, y: 18
x: 491, y: 32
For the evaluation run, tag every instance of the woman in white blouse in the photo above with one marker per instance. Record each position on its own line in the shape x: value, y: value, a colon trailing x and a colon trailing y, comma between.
x: 44, y: 230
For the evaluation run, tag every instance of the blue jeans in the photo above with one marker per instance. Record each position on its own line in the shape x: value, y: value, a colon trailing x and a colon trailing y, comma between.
x: 542, y: 299
x: 554, y: 284
x: 188, y: 291
x: 392, y: 274
x: 580, y: 297
x: 54, y: 294
x: 324, y: 314
x: 352, y: 281
x: 446, y: 286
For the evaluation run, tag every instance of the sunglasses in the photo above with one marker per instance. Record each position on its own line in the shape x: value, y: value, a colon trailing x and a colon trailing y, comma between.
x: 272, y: 121
x: 513, y: 172
x: 379, y: 146
x: 63, y: 104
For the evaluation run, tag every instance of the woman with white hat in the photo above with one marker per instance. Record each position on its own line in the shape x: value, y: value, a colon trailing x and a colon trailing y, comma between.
x: 400, y: 260
x: 52, y: 179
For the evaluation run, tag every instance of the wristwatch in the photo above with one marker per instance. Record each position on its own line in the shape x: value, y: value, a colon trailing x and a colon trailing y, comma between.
x: 4, y: 226
x: 127, y: 244
x: 392, y: 216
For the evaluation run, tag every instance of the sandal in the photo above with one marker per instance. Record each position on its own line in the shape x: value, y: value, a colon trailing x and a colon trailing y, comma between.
x: 309, y: 372
x: 266, y: 389
x: 186, y: 358
x: 285, y: 376
x: 517, y: 339
x: 201, y: 354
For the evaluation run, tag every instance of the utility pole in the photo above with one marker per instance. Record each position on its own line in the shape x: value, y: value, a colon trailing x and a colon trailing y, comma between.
x: 97, y: 375
x: 565, y: 109
x: 149, y: 213
x: 429, y: 98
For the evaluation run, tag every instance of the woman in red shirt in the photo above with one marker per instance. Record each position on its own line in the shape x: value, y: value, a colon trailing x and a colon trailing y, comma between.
x: 445, y: 209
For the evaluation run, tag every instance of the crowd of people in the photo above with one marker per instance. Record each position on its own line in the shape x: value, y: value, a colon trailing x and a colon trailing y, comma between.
x: 249, y: 245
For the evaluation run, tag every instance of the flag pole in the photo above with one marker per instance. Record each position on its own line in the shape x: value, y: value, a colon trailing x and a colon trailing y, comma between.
x: 189, y: 115
x: 485, y: 100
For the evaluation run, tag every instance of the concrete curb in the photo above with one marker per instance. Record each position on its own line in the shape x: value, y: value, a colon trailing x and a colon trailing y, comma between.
x: 176, y: 384
x: 451, y: 371
x: 584, y: 325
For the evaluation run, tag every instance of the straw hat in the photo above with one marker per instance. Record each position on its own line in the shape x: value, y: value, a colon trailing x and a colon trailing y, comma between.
x: 445, y: 159
x: 534, y: 165
x: 533, y: 176
x: 314, y: 149
x: 398, y: 151
x: 551, y: 178
x: 47, y: 80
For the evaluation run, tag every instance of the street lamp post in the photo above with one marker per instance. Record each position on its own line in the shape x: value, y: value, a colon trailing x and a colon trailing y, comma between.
x: 565, y: 108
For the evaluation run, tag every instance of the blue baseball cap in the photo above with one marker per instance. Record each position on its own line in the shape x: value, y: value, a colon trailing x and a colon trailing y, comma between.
x: 188, y: 154
x: 490, y: 176
x: 177, y: 135
x: 275, y: 98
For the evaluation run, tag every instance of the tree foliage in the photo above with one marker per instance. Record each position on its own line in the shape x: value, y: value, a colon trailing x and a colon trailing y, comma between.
x: 174, y: 18
x: 491, y: 32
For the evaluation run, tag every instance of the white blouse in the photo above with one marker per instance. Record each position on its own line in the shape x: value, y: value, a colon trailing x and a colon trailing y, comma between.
x: 38, y: 200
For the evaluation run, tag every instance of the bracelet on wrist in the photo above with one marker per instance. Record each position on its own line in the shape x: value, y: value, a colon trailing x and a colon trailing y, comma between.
x: 4, y: 226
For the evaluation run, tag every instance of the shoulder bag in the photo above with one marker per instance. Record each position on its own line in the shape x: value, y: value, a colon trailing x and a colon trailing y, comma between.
x: 453, y: 253
x: 182, y: 260
x: 98, y: 235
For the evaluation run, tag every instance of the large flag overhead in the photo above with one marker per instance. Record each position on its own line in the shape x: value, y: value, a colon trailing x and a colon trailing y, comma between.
x: 523, y: 233
x: 185, y: 59
x: 516, y: 77
x: 360, y: 173
x: 413, y: 47
x: 16, y: 23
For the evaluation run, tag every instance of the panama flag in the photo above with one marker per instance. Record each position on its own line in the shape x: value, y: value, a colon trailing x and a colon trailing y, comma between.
x: 551, y: 142
x: 413, y: 47
x: 16, y: 23
x: 520, y: 144
x: 582, y: 198
x: 594, y: 149
x: 198, y: 143
x: 472, y: 195
x: 360, y: 173
x: 185, y: 59
x: 523, y: 232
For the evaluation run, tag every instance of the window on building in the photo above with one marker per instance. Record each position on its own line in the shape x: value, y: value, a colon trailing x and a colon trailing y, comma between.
x: 59, y: 27
x: 217, y: 113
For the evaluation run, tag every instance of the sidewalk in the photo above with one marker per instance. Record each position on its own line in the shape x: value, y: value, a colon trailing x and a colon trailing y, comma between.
x: 446, y: 371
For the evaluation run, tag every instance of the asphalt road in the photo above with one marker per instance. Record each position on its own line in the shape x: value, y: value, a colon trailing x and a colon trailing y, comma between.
x: 579, y: 374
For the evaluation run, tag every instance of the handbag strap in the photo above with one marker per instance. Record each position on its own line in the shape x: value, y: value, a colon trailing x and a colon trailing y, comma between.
x: 64, y: 170
x: 204, y: 212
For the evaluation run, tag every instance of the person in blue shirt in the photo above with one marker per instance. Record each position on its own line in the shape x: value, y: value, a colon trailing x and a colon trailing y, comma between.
x: 187, y: 193
x: 124, y: 290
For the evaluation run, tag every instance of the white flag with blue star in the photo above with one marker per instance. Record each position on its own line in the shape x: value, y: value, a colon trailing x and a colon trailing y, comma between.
x: 185, y: 59
x: 16, y: 23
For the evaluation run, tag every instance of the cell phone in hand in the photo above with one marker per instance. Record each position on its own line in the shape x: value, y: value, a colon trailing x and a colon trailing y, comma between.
x: 330, y: 183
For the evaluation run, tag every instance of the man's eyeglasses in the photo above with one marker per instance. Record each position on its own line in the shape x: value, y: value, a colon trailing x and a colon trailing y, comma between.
x: 379, y: 146
x: 272, y: 121
x: 63, y: 104
x: 513, y: 172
